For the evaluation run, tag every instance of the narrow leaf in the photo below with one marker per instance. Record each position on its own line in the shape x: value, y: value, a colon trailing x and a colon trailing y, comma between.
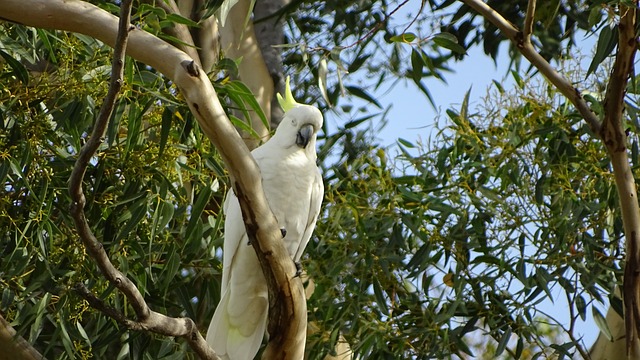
x: 602, y: 323
x: 356, y: 91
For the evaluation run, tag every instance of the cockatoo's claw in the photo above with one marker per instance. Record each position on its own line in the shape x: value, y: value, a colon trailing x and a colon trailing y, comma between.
x: 283, y: 231
x: 298, y: 269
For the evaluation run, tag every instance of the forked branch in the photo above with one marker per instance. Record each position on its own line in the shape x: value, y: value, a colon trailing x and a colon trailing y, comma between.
x: 146, y: 319
x: 521, y: 40
x: 195, y: 86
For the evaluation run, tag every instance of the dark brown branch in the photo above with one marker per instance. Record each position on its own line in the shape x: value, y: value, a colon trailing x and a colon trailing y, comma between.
x: 98, y: 304
x: 147, y: 319
x: 94, y: 247
x: 526, y: 48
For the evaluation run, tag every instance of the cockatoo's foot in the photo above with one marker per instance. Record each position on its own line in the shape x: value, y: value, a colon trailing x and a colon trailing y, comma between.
x: 283, y: 231
x: 298, y: 268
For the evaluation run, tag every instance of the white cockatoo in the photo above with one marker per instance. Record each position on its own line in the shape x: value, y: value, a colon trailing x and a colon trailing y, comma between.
x: 293, y: 187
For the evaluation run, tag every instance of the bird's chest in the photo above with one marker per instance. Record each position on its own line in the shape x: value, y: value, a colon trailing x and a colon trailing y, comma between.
x: 288, y: 191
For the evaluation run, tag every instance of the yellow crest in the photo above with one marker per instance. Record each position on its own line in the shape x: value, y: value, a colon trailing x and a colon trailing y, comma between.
x: 288, y: 102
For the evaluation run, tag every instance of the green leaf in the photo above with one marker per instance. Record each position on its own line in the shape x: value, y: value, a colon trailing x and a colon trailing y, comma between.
x: 504, y: 340
x: 245, y: 96
x: 171, y: 268
x: 19, y: 70
x: 356, y: 91
x: 416, y: 65
x: 406, y: 143
x: 181, y: 20
x: 167, y: 117
x: 546, y: 12
x: 595, y: 15
x: 607, y: 41
x: 602, y: 323
x: 448, y: 41
x: 322, y: 80
x: 404, y: 38
x: 198, y: 207
x: 225, y: 8
x: 380, y: 298
x: 581, y: 306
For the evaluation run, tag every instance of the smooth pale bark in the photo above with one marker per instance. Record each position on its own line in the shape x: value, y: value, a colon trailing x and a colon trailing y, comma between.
x: 238, y: 41
x: 615, y: 138
x: 611, y: 132
x: 287, y: 317
x: 15, y: 347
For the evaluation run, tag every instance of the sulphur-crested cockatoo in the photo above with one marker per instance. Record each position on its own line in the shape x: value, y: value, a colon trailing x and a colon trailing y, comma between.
x: 293, y: 187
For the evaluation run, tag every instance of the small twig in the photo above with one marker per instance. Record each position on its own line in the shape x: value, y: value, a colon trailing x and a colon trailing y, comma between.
x: 572, y: 318
x: 377, y: 26
x: 415, y: 18
x: 146, y: 319
x: 526, y: 48
x: 98, y: 304
x: 528, y: 20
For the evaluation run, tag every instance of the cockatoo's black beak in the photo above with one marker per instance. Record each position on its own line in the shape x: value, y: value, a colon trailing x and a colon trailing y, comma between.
x: 304, y: 135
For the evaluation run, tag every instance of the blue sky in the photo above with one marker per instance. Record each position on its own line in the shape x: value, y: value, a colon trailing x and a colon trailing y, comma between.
x: 412, y: 117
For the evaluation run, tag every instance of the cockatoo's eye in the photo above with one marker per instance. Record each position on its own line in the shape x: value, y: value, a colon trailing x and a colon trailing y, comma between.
x: 294, y: 122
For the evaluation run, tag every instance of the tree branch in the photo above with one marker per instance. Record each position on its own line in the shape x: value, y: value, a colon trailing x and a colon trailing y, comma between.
x: 528, y: 21
x: 615, y: 138
x: 147, y: 319
x: 13, y: 346
x: 526, y: 48
x: 195, y: 86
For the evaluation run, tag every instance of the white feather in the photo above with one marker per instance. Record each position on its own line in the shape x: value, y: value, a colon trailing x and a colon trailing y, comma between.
x: 293, y: 187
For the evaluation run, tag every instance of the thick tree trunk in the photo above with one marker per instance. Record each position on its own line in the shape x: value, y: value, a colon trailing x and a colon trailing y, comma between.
x: 270, y: 32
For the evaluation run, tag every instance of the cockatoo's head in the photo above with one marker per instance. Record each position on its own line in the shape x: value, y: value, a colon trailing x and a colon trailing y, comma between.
x: 300, y: 124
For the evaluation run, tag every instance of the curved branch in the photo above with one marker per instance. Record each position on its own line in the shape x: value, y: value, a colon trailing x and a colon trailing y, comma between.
x: 526, y: 48
x: 147, y: 319
x: 288, y: 305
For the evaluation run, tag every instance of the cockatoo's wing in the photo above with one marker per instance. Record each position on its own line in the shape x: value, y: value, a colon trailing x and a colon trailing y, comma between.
x: 317, y: 194
x: 234, y: 235
x: 239, y: 322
